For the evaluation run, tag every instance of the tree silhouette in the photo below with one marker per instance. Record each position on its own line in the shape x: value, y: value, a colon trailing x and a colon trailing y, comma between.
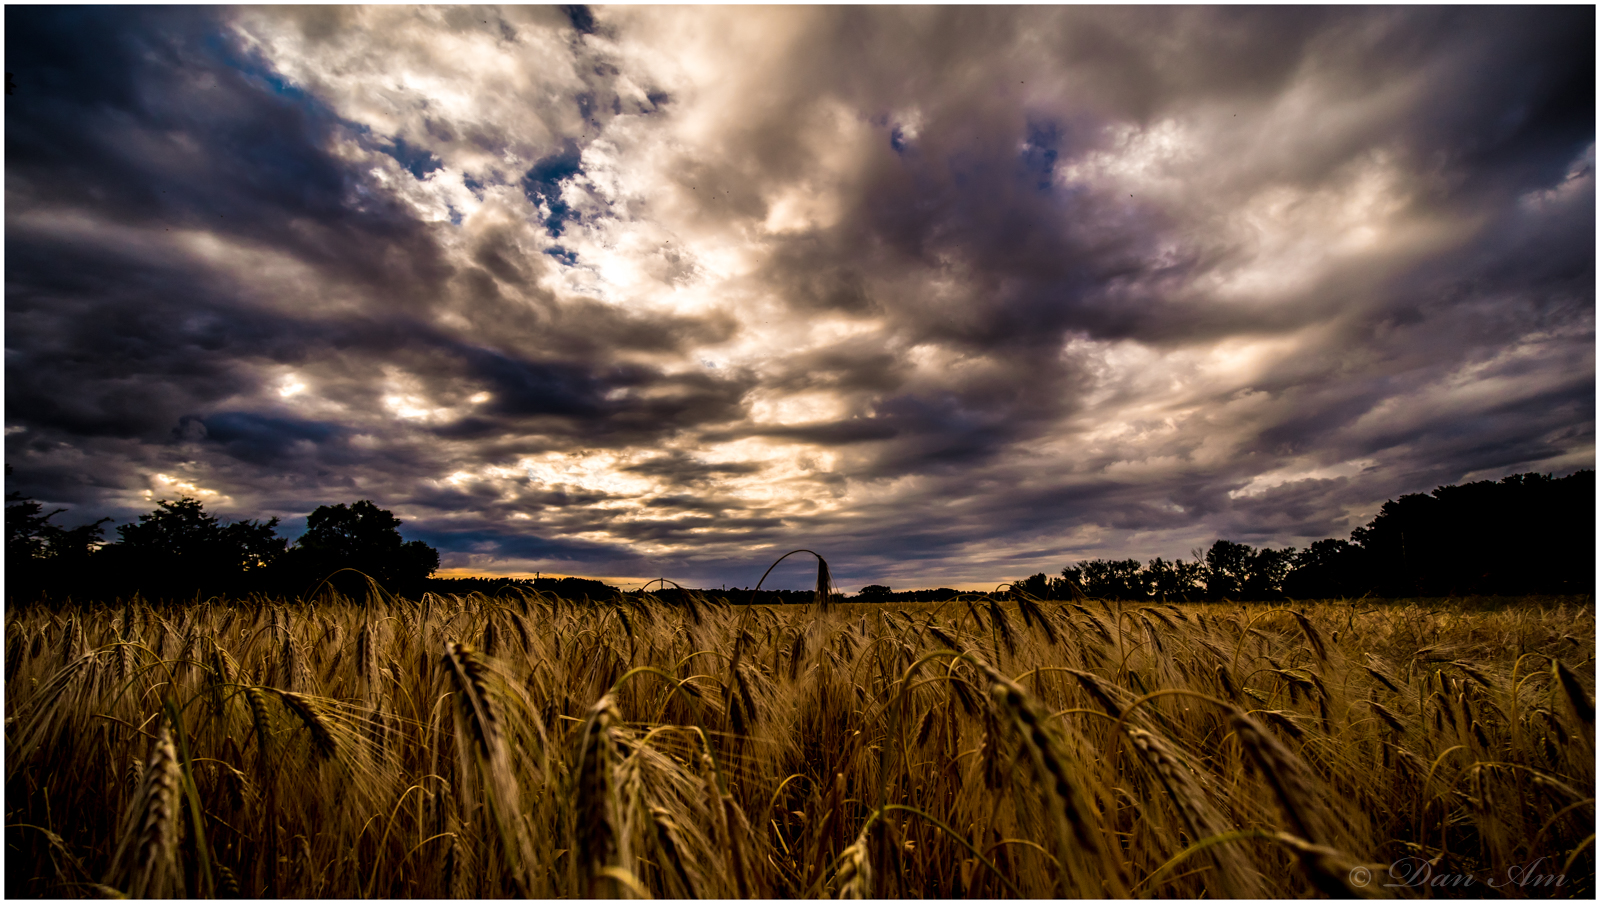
x: 180, y: 541
x: 179, y: 550
x: 1036, y: 586
x: 25, y: 530
x: 1114, y: 580
x: 1240, y: 571
x: 363, y: 537
x: 1175, y: 581
x: 41, y: 555
x: 1268, y: 568
x: 1327, y: 569
x: 1526, y: 533
x: 1227, y: 569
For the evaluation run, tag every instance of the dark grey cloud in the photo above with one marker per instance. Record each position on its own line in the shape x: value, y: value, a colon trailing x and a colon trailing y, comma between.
x: 679, y: 470
x: 957, y: 293
x: 256, y: 438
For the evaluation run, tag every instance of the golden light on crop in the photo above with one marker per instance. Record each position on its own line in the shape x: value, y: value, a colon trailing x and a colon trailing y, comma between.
x: 976, y: 747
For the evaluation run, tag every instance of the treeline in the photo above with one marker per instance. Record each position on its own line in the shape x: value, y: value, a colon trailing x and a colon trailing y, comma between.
x: 734, y: 596
x: 568, y: 588
x: 179, y: 551
x: 880, y: 593
x: 1525, y: 534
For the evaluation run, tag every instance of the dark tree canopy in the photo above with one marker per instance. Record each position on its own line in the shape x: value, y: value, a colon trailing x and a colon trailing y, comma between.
x: 1527, y: 533
x: 185, y: 534
x: 180, y: 550
x: 360, y: 530
x: 40, y: 553
x: 30, y: 535
x: 1327, y: 569
x: 362, y: 537
x: 1176, y: 581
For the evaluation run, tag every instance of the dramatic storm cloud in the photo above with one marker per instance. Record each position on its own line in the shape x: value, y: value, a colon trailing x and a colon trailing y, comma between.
x: 951, y: 295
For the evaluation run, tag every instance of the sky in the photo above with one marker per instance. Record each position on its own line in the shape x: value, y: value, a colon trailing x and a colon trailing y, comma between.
x: 951, y: 295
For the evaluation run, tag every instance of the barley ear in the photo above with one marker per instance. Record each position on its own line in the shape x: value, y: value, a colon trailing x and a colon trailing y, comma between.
x: 1328, y: 870
x: 1313, y: 637
x: 664, y: 830
x: 468, y: 676
x: 478, y: 713
x: 1029, y: 607
x: 261, y: 718
x: 596, y: 835
x: 1582, y: 706
x: 1382, y: 679
x: 855, y: 869
x: 227, y: 883
x: 1079, y: 826
x: 1099, y: 691
x: 824, y: 596
x: 1226, y: 680
x: 797, y: 654
x: 1388, y: 718
x: 1174, y: 779
x: 997, y: 618
x: 146, y: 861
x: 315, y: 721
x: 1282, y: 772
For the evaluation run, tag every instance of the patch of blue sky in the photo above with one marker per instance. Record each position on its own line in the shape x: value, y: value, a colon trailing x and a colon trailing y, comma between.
x: 1039, y: 152
x: 418, y: 161
x: 543, y: 181
x: 253, y: 66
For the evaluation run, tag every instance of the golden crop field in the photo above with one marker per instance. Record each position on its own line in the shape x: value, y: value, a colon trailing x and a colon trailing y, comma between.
x: 476, y: 747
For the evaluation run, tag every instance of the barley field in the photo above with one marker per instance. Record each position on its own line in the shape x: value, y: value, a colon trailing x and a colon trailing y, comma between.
x: 540, y: 747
